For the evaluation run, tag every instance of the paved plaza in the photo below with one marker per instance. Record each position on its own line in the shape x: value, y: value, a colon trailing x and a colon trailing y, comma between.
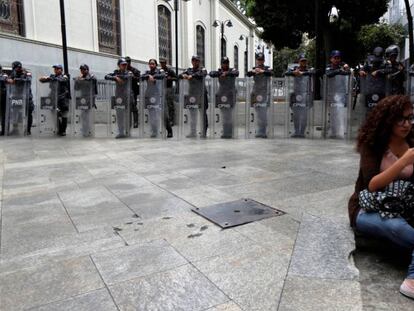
x: 104, y: 224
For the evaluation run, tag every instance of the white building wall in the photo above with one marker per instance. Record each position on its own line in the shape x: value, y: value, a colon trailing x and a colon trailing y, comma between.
x: 40, y: 48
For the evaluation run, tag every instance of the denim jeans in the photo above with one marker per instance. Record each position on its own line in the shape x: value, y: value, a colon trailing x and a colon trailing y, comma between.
x: 396, y: 230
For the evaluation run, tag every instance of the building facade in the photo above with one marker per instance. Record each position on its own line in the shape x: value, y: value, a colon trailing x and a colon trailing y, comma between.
x: 100, y: 31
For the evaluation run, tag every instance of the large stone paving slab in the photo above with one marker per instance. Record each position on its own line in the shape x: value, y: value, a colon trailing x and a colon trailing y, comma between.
x: 323, y: 250
x: 309, y: 294
x: 96, y: 300
x: 47, y: 283
x: 129, y: 262
x: 183, y: 288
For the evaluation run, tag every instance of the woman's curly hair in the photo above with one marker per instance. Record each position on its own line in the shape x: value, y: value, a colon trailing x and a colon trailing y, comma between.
x: 376, y: 132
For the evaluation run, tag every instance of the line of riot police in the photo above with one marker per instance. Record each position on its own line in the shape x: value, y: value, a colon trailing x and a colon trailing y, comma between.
x: 218, y: 104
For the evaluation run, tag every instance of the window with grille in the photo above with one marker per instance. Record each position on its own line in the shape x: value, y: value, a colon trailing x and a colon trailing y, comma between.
x: 236, y: 57
x: 108, y: 26
x: 224, y: 46
x: 164, y: 33
x: 11, y: 17
x: 201, y: 44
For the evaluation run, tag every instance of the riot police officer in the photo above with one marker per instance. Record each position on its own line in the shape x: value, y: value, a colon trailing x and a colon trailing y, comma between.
x: 195, y: 76
x: 300, y: 99
x: 122, y: 76
x: 63, y: 94
x: 169, y: 109
x: 261, y: 75
x: 3, y: 79
x: 337, y: 94
x: 153, y: 89
x: 136, y: 74
x: 85, y: 75
x: 394, y: 70
x: 19, y: 77
x: 227, y: 89
x: 373, y: 78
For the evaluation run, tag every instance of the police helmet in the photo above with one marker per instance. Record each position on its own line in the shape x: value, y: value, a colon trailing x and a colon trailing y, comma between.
x: 302, y: 56
x: 392, y: 50
x: 128, y: 59
x: 378, y: 51
x: 195, y: 57
x: 260, y: 56
x: 84, y: 67
x: 336, y: 53
x: 16, y: 64
x: 122, y: 61
x: 225, y: 60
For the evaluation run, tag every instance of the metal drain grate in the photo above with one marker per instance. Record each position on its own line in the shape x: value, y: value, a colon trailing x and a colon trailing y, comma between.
x: 236, y: 213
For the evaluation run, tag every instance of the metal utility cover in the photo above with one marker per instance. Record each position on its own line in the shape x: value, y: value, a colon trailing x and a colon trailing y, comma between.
x: 236, y: 213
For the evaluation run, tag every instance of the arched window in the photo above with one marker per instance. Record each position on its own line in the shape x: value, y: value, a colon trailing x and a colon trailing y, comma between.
x: 164, y: 33
x: 201, y: 44
x: 236, y: 57
x: 11, y: 17
x: 224, y: 46
x: 109, y: 33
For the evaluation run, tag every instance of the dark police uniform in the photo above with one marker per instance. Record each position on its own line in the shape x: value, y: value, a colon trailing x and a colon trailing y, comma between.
x: 300, y: 100
x: 120, y: 92
x: 22, y: 77
x: 260, y: 88
x: 153, y: 90
x: 196, y: 85
x: 86, y: 92
x: 170, y: 109
x: 227, y: 89
x: 136, y: 74
x: 63, y: 95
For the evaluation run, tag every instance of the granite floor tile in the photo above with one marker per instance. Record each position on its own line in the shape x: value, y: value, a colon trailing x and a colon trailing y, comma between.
x: 129, y: 262
x: 47, y: 283
x: 183, y: 288
x: 311, y: 294
x: 96, y: 300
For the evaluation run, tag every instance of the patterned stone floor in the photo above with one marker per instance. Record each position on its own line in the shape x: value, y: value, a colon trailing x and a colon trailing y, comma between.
x: 106, y: 224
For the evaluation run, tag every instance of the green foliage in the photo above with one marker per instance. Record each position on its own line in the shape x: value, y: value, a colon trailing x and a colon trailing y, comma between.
x: 285, y: 56
x: 371, y: 36
x: 285, y: 21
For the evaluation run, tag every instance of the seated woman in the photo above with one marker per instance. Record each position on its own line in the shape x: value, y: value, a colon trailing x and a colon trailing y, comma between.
x: 385, y: 143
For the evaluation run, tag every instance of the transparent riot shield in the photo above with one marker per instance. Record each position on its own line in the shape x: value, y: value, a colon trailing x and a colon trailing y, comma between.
x: 240, y: 123
x: 193, y: 114
x: 224, y: 108
x: 153, y: 97
x: 279, y: 102
x: 47, y: 104
x: 260, y: 107
x: 17, y: 101
x: 120, y: 116
x: 373, y: 89
x: 83, y: 108
x: 337, y: 96
x: 299, y: 108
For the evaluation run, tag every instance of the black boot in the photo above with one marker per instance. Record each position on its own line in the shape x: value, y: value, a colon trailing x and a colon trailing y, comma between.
x: 62, y: 127
x: 135, y: 117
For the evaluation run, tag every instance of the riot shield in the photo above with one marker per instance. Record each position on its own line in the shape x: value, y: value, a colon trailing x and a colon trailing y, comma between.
x: 260, y: 108
x: 224, y: 107
x: 47, y: 105
x: 153, y: 96
x: 120, y: 116
x: 193, y: 114
x: 373, y: 89
x: 241, y: 94
x: 279, y: 103
x: 83, y: 108
x: 337, y: 96
x: 17, y: 102
x: 299, y: 108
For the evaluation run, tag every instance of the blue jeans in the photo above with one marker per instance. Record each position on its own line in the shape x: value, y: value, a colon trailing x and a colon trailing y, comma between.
x: 396, y: 230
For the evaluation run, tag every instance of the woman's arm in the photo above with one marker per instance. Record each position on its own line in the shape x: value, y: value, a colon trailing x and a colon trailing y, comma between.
x: 384, y: 178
